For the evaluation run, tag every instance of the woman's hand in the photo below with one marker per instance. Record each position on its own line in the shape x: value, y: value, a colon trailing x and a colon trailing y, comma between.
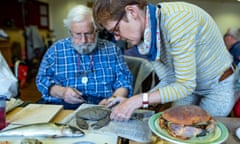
x: 126, y: 108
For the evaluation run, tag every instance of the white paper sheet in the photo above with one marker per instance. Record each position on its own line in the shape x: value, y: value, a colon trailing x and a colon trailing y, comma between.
x: 136, y: 130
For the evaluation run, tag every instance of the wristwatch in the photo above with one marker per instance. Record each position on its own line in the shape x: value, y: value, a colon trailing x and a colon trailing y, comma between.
x: 145, y: 101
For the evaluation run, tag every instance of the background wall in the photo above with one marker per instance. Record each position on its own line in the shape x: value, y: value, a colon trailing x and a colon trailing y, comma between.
x: 225, y: 12
x: 58, y: 11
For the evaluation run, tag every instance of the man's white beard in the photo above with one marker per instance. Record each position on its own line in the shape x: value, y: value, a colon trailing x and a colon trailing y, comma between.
x: 85, y: 48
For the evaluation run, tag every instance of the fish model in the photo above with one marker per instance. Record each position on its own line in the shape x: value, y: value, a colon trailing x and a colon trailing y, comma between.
x: 43, y: 130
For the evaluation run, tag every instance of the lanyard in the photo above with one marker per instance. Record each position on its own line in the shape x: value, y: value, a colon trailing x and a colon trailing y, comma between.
x: 85, y: 71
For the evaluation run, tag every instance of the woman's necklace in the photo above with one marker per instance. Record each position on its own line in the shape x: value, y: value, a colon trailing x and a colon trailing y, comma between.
x: 85, y: 72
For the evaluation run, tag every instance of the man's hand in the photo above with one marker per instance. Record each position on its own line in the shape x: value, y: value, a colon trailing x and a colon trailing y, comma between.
x: 112, y: 101
x: 73, y: 96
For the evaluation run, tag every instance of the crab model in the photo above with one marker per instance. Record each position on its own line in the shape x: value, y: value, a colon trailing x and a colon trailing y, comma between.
x: 185, y: 122
x: 100, y: 114
x: 96, y: 113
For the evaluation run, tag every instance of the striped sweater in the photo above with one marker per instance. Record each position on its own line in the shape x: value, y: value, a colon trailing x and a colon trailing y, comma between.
x: 192, y: 48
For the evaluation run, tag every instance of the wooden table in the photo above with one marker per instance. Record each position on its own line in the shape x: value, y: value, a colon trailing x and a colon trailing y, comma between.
x: 230, y: 123
x: 62, y: 114
x: 94, y: 137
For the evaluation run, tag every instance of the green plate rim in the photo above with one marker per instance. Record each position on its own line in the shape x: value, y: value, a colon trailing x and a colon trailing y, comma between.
x: 222, y: 138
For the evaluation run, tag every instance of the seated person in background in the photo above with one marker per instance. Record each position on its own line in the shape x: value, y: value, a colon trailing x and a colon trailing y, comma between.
x: 82, y: 68
x: 232, y: 41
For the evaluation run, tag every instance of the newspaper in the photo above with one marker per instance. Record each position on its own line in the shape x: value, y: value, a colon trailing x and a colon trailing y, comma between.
x: 136, y: 130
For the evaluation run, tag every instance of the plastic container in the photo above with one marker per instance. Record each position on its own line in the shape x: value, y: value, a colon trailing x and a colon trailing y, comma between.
x: 2, y: 112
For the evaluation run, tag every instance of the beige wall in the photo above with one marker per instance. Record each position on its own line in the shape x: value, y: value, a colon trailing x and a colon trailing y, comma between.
x: 226, y: 14
x: 16, y: 35
x: 58, y: 11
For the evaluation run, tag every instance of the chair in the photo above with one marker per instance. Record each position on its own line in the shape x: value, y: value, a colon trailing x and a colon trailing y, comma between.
x: 21, y: 72
x: 144, y: 76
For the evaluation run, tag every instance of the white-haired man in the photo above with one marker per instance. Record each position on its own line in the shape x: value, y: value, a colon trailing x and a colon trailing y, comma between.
x: 82, y: 68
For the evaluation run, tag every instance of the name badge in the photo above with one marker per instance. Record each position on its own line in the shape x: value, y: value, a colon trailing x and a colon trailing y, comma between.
x: 84, y: 80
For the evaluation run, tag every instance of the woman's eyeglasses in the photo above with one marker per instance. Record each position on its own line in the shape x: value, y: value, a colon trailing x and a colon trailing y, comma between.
x: 115, y: 30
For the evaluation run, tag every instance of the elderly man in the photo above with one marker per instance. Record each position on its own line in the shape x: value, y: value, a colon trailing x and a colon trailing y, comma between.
x: 82, y: 68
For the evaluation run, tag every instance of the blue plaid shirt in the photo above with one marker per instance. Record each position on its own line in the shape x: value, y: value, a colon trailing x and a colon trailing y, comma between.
x: 63, y: 65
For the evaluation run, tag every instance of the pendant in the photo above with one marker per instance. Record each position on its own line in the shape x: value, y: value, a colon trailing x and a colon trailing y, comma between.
x: 84, y: 80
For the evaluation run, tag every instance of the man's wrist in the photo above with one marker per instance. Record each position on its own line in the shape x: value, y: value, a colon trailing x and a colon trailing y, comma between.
x: 57, y: 91
x: 49, y: 89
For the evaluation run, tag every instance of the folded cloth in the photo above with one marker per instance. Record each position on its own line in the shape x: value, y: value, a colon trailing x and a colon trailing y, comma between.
x: 13, y: 103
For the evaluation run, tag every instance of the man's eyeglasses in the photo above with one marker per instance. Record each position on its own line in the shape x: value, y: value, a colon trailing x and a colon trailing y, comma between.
x: 115, y: 30
x: 87, y: 35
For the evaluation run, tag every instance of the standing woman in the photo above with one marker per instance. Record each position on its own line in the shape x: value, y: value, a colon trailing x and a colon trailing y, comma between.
x: 183, y: 40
